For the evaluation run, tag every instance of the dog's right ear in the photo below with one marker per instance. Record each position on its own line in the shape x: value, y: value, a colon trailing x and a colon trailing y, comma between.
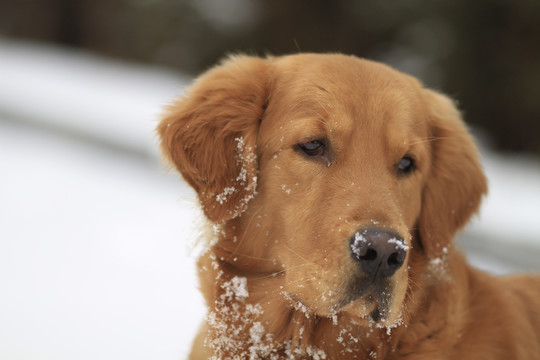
x: 456, y: 183
x: 210, y: 134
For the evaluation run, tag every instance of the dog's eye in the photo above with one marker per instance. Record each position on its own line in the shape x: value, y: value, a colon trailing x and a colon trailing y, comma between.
x: 406, y: 165
x: 313, y: 147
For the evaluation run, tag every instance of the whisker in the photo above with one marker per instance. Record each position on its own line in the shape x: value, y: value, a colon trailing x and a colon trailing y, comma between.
x: 301, y: 257
x: 281, y: 272
x: 238, y: 254
x: 430, y: 139
x: 243, y: 237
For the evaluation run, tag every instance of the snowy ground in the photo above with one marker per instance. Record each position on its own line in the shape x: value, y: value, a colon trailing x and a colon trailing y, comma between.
x: 95, y: 235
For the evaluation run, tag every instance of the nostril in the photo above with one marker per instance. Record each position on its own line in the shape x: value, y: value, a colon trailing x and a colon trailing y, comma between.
x: 395, y: 259
x: 370, y: 255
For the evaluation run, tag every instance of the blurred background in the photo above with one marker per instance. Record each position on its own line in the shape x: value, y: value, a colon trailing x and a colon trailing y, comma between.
x: 96, y: 237
x: 485, y: 53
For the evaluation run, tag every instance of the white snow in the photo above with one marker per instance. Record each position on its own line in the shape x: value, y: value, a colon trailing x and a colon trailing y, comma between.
x: 512, y: 209
x: 93, y: 259
x: 75, y: 91
x: 236, y: 288
x: 222, y: 198
x: 93, y: 241
x: 399, y: 244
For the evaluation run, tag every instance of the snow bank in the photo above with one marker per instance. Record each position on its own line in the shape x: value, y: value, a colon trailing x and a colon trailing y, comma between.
x: 113, y: 102
x: 511, y: 210
x: 93, y: 242
x: 93, y: 253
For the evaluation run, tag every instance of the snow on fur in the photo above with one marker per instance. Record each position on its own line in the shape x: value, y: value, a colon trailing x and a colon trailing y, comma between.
x: 237, y: 332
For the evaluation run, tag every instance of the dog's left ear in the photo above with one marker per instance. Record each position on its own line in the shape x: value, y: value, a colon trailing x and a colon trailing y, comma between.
x: 456, y: 182
x: 210, y: 134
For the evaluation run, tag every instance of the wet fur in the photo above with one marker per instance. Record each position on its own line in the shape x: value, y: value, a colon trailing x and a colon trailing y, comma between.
x: 285, y: 219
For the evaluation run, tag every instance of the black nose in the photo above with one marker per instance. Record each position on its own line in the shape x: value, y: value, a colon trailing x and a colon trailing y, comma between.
x: 380, y: 253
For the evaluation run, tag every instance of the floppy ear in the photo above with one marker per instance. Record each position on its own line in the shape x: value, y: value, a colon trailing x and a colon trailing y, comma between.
x: 456, y: 182
x: 210, y: 134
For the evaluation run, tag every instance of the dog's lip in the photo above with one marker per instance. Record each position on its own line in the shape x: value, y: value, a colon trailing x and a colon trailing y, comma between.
x: 362, y: 308
x: 376, y: 314
x: 375, y: 295
x: 352, y: 296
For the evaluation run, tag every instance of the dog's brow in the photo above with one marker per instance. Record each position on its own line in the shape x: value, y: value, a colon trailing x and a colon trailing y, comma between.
x: 429, y: 139
x: 322, y: 89
x: 310, y: 108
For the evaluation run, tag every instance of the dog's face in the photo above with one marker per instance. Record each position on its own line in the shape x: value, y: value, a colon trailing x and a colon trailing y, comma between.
x: 358, y: 169
x: 343, y: 155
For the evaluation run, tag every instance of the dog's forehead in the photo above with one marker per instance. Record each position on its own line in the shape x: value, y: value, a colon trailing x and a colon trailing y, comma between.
x: 336, y: 72
x: 343, y: 94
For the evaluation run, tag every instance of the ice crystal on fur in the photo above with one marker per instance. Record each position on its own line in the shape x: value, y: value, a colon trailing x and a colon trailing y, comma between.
x: 316, y: 354
x: 246, y: 159
x: 297, y: 305
x: 358, y: 238
x: 233, y: 320
x: 395, y: 324
x: 239, y: 144
x: 222, y: 198
x: 215, y: 231
x: 242, y: 176
x: 238, y: 334
x: 438, y: 267
x: 347, y: 340
x: 236, y: 288
x: 399, y: 244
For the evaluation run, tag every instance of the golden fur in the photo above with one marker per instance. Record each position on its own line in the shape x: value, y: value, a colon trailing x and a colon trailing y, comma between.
x: 280, y: 280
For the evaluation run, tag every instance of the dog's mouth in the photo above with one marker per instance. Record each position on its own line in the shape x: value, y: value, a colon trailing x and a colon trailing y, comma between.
x: 367, y: 299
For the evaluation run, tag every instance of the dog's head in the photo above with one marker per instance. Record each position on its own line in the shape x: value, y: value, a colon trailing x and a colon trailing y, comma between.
x: 334, y: 172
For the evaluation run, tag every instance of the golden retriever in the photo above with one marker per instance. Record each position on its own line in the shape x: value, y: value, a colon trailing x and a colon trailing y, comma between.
x: 336, y: 185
